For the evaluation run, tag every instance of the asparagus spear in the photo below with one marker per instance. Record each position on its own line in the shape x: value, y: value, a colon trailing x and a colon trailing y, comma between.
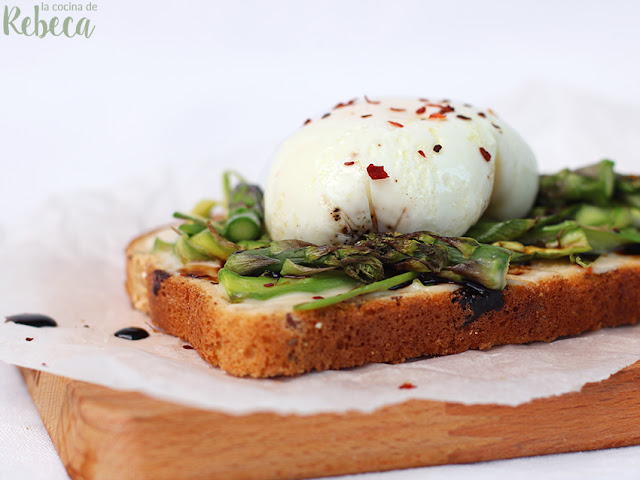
x: 608, y: 217
x: 372, y: 287
x: 367, y: 259
x: 239, y: 287
x: 213, y: 243
x: 245, y: 210
x: 488, y: 232
x: 628, y: 190
x: 205, y: 244
x: 593, y: 184
x: 187, y: 252
x: 554, y: 241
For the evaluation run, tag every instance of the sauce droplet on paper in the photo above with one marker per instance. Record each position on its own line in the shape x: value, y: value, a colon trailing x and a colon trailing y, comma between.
x: 32, y: 320
x: 132, y: 333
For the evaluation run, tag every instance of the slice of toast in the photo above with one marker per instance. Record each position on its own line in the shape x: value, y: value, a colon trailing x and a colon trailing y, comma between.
x: 543, y: 301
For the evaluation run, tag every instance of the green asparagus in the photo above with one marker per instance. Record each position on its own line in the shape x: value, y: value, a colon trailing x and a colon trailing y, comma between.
x: 245, y: 211
x: 239, y: 287
x: 590, y: 211
x: 368, y: 259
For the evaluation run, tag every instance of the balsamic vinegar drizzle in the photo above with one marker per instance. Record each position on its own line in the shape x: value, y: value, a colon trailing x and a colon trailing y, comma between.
x: 474, y: 298
x: 132, y: 333
x: 32, y: 320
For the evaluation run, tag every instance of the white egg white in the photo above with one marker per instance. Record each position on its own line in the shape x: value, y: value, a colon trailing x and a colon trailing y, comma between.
x: 400, y: 165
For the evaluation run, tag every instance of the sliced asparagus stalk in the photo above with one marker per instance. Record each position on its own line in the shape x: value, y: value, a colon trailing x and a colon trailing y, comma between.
x: 628, y: 190
x: 593, y: 184
x: 252, y: 244
x: 203, y: 208
x: 213, y: 243
x: 608, y: 217
x: 187, y: 252
x: 196, y: 223
x: 239, y: 287
x: 553, y: 241
x: 192, y: 228
x: 245, y: 210
x: 488, y: 232
x: 371, y: 288
x: 160, y: 245
x: 192, y: 218
x: 604, y: 240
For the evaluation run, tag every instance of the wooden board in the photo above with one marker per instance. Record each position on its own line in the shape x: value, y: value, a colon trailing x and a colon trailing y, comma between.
x: 105, y: 434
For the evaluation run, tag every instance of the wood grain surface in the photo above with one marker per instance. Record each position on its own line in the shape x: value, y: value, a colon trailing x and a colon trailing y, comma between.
x: 102, y: 433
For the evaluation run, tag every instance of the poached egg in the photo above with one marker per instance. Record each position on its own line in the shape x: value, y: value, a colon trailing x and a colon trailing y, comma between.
x: 397, y: 165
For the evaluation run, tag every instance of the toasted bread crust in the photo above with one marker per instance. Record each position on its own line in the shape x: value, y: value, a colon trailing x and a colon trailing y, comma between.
x: 271, y: 342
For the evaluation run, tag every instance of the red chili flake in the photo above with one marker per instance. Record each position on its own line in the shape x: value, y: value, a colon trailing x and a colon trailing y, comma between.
x: 422, y: 153
x: 486, y: 155
x: 395, y: 124
x: 462, y: 117
x: 317, y: 297
x: 28, y: 339
x: 376, y: 173
x: 437, y: 115
x: 406, y: 386
x: 437, y: 148
x: 447, y: 108
x: 44, y: 364
x: 480, y: 114
x: 307, y: 121
x: 421, y: 110
x: 187, y: 347
x: 347, y: 104
x: 371, y: 101
x: 590, y: 270
x: 423, y: 99
x: 365, y: 116
x: 349, y: 163
x: 398, y: 109
x: 269, y: 285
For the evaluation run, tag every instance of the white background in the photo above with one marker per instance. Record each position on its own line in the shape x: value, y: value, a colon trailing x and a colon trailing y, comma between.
x: 190, y: 88
x: 212, y: 84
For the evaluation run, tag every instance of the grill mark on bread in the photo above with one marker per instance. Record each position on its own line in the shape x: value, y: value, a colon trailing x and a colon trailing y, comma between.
x: 159, y: 276
x: 292, y: 322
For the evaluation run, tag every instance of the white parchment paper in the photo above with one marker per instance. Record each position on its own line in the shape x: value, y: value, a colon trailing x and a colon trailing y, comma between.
x: 66, y: 260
